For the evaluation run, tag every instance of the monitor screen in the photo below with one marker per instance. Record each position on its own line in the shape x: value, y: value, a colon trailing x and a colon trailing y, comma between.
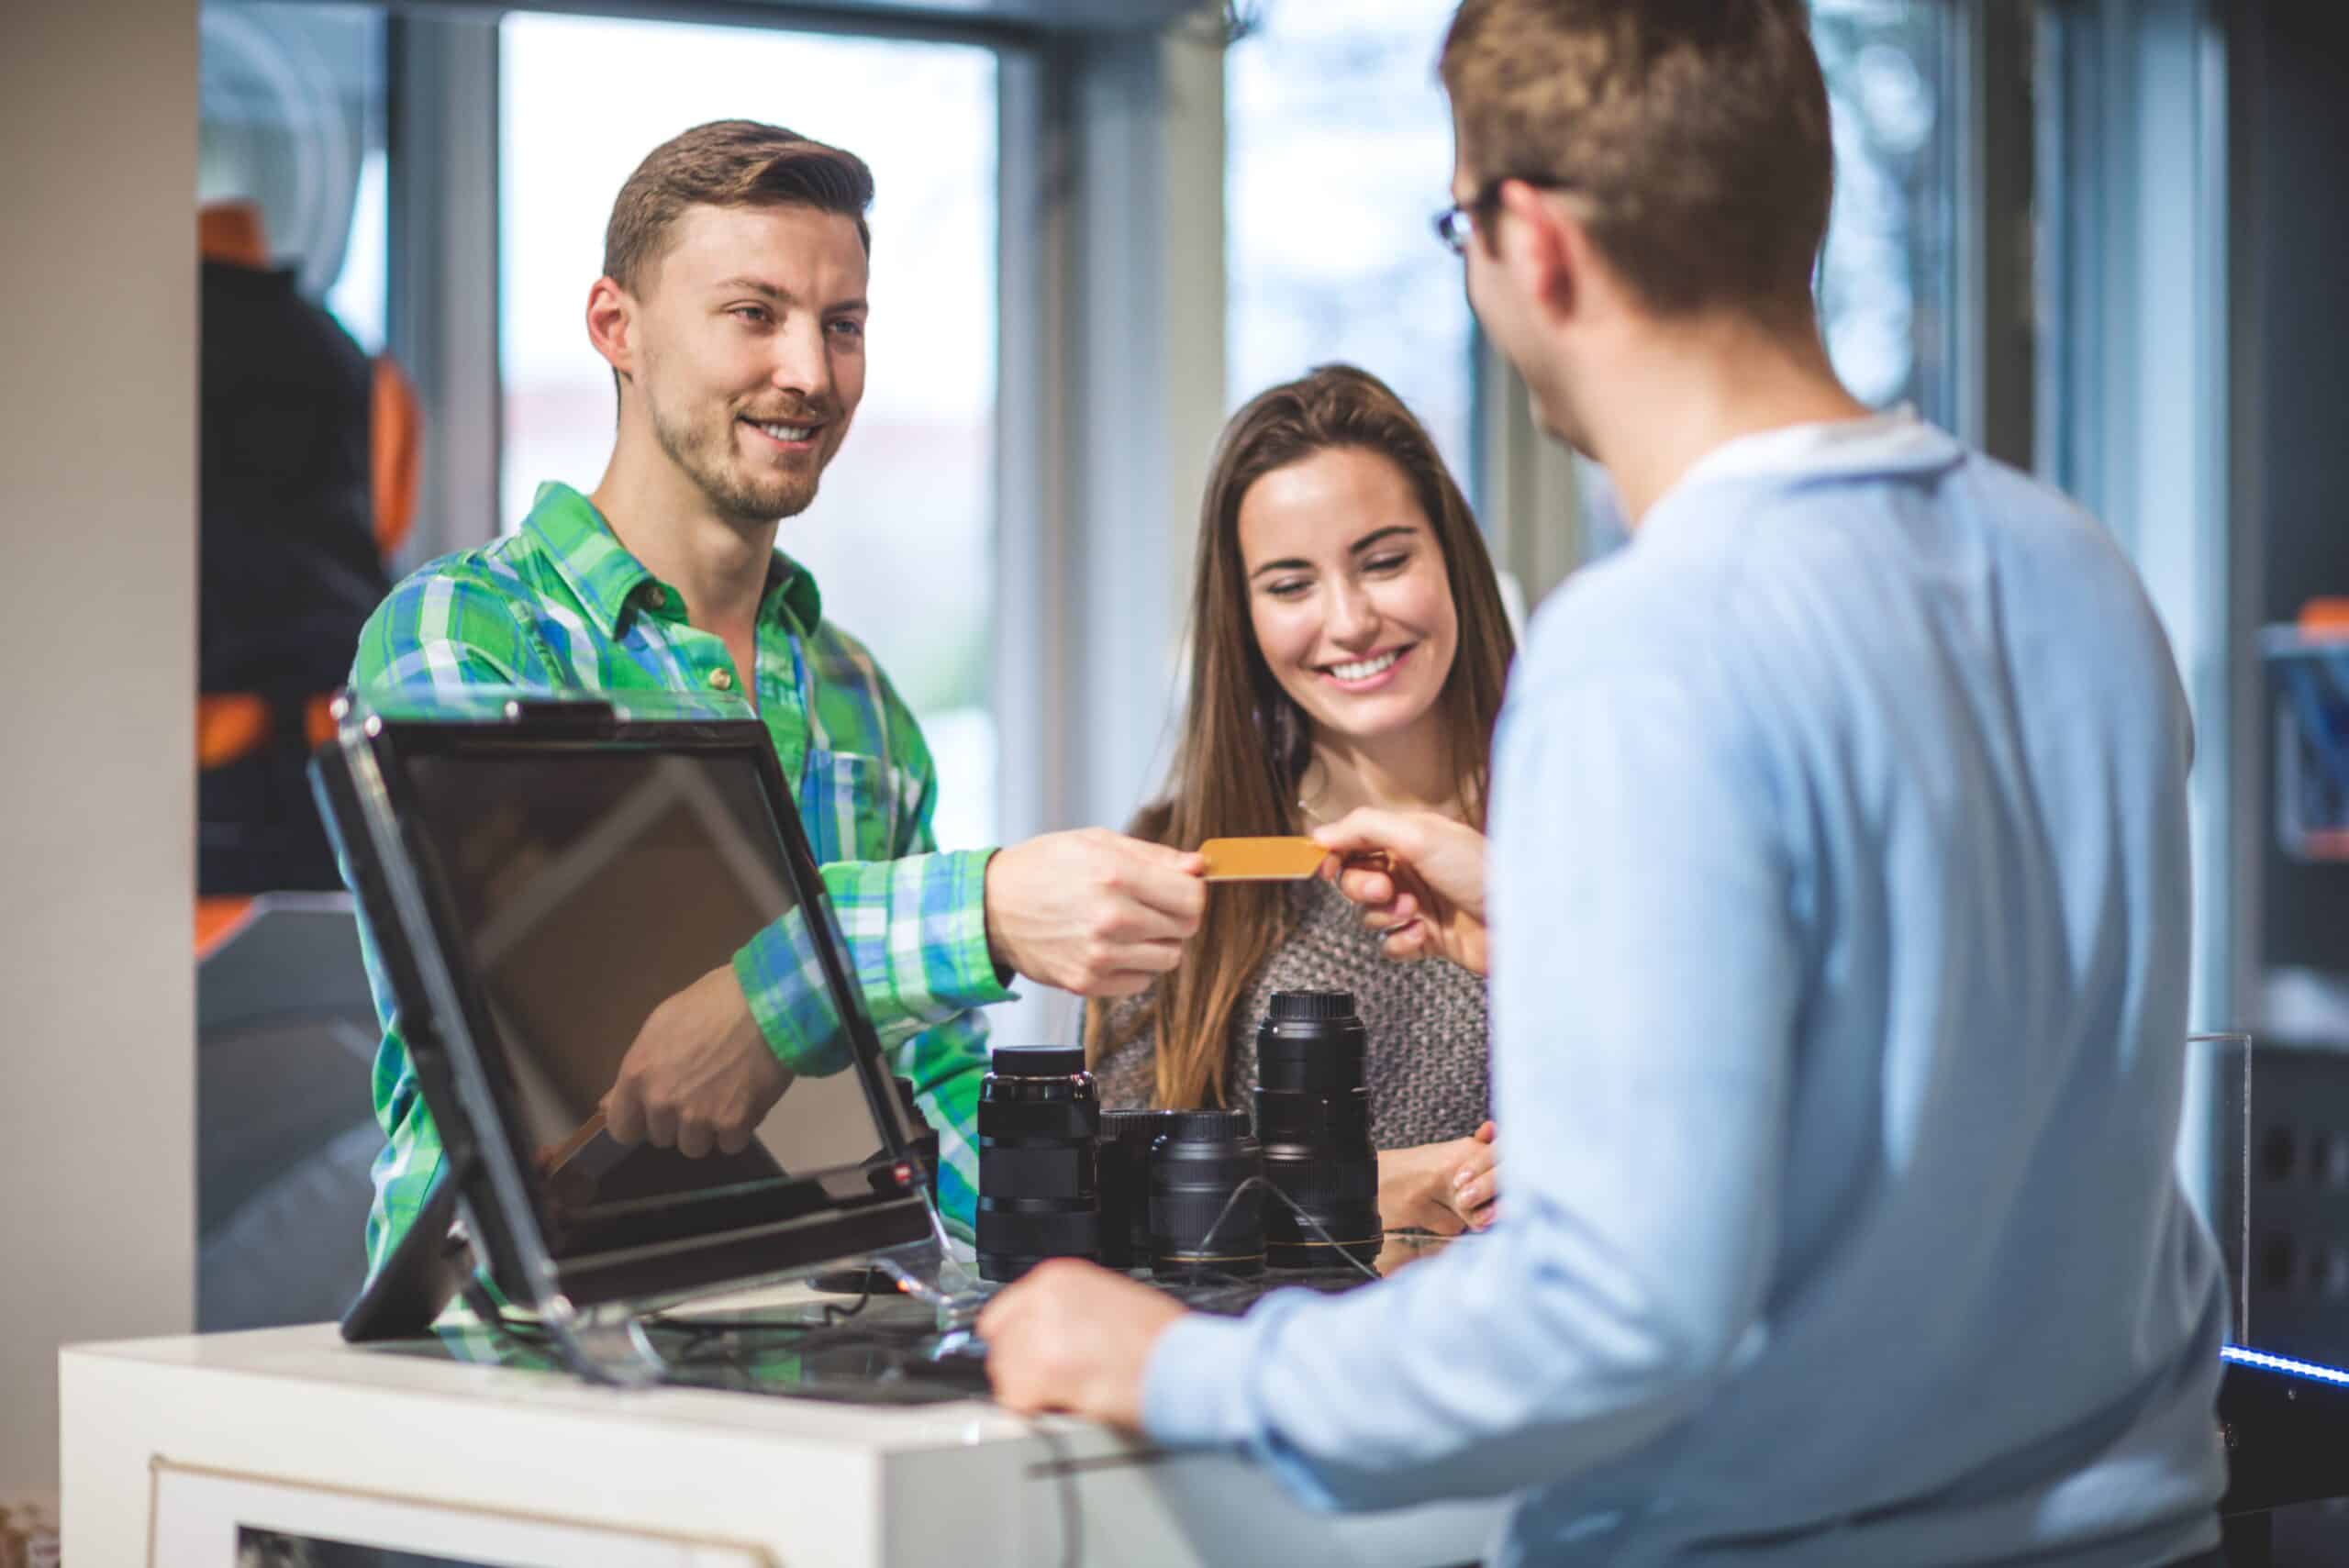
x: 584, y: 885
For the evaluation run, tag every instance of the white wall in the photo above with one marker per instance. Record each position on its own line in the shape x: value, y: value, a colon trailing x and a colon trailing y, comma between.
x: 98, y: 675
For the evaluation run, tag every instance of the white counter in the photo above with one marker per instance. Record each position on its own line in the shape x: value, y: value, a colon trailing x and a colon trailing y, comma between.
x: 285, y: 1426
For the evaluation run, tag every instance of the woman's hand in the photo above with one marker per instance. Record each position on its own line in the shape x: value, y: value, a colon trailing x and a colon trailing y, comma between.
x: 1442, y: 1188
x: 1430, y: 896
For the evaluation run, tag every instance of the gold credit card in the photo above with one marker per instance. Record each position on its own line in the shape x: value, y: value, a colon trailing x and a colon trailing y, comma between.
x: 1262, y: 859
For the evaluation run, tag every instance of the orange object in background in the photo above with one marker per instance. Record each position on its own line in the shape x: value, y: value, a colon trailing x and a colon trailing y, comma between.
x: 217, y: 920
x: 231, y: 231
x: 317, y: 720
x: 396, y: 437
x: 250, y: 745
x: 2325, y: 617
x: 230, y: 724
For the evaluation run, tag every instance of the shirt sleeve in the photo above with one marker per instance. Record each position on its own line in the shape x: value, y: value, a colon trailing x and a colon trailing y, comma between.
x: 443, y: 632
x: 1644, y: 988
x: 915, y: 933
x: 914, y: 928
x: 404, y: 1171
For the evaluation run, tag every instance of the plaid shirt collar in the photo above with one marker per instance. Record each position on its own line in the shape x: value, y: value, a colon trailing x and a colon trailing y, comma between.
x: 565, y: 527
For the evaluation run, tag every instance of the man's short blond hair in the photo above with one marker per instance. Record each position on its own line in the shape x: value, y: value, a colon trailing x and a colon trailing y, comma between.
x: 1696, y: 131
x: 728, y: 163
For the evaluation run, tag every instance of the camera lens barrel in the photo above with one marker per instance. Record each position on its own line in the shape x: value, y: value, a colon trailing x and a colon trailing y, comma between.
x: 1039, y: 1119
x: 1198, y: 1227
x: 1313, y: 1117
x: 1126, y: 1138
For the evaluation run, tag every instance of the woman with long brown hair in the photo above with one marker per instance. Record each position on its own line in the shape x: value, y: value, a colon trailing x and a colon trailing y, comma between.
x: 1347, y: 648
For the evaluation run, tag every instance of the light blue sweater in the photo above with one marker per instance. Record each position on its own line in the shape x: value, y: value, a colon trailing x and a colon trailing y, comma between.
x: 1839, y: 907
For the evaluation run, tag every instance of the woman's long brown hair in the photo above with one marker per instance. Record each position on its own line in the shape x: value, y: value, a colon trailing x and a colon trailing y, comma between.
x: 1245, y: 744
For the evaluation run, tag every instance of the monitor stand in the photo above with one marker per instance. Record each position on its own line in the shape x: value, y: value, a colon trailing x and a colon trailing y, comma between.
x: 425, y: 1272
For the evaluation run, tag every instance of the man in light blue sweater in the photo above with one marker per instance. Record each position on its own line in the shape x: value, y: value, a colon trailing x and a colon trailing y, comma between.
x: 1839, y: 909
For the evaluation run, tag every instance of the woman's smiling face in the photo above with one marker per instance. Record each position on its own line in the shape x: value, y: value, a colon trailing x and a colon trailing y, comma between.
x: 1348, y: 593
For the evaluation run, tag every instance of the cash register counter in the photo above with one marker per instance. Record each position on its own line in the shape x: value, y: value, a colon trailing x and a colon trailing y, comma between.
x: 175, y: 1451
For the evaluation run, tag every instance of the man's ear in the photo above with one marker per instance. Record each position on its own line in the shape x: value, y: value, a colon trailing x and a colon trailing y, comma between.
x: 611, y: 325
x: 1543, y: 245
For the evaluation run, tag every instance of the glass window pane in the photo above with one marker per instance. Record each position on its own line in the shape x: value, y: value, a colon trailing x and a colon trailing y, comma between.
x: 901, y: 535
x: 292, y: 119
x: 1887, y: 282
x: 1338, y: 151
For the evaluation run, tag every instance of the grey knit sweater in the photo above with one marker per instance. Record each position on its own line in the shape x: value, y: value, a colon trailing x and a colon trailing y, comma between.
x: 1427, y: 1067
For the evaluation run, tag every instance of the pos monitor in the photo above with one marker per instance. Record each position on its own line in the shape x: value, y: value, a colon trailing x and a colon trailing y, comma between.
x: 538, y: 877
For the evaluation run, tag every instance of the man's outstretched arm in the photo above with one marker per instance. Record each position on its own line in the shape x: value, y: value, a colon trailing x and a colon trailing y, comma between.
x: 1645, y: 983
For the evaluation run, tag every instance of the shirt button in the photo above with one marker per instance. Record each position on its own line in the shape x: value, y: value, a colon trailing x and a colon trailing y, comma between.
x: 721, y: 680
x: 657, y: 596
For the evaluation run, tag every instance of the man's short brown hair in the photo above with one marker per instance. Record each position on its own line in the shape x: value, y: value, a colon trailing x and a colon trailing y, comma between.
x: 728, y: 163
x: 1696, y: 130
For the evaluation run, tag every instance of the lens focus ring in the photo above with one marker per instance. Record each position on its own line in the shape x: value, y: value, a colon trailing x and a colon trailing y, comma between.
x: 1037, y: 1170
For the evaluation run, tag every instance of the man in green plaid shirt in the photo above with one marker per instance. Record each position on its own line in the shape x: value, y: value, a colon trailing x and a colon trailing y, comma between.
x: 732, y: 312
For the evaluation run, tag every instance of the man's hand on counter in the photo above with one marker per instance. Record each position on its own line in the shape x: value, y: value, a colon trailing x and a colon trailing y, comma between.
x: 1430, y: 897
x: 1092, y: 911
x: 699, y: 1076
x: 1073, y: 1337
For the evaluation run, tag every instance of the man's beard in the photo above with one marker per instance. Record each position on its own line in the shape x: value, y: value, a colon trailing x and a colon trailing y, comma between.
x: 752, y: 499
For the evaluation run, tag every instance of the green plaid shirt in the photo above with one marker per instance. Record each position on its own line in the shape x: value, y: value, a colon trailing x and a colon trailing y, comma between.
x: 563, y: 607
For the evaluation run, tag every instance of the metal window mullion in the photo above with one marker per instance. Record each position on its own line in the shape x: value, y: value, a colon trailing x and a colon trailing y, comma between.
x: 2146, y: 410
x: 2228, y: 656
x: 2009, y: 329
x: 1111, y: 294
x: 1035, y: 552
x: 1532, y: 505
x: 2243, y: 47
x: 2068, y: 244
x: 1989, y: 382
x: 442, y: 310
x: 1145, y: 333
x: 1112, y: 396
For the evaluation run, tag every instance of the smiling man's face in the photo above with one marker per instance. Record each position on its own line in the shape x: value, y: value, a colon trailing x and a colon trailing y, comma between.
x: 750, y: 341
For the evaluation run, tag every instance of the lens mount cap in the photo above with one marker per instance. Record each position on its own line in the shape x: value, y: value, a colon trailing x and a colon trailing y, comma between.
x: 1037, y: 1061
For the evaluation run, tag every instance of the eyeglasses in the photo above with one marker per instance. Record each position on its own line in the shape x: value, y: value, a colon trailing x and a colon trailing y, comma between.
x: 1455, y: 223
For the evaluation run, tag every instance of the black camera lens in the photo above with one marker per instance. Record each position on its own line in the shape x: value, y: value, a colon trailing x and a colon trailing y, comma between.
x: 1313, y: 1114
x: 1197, y: 1227
x: 923, y: 1136
x: 1038, y: 1189
x: 1126, y: 1138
